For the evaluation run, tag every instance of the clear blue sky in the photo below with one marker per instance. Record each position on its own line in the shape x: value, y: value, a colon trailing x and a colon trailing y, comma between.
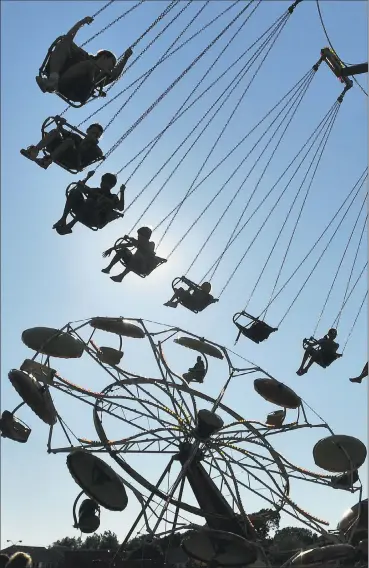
x: 48, y: 280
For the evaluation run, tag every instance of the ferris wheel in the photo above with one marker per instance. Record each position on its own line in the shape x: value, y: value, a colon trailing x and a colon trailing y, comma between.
x: 185, y: 454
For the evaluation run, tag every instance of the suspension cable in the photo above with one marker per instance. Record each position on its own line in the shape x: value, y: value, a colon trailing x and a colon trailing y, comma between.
x: 171, y: 122
x: 293, y: 109
x: 328, y: 125
x: 188, y: 136
x: 110, y: 101
x: 337, y: 320
x: 173, y: 84
x: 227, y: 123
x: 131, y: 9
x: 319, y: 152
x: 357, y: 187
x: 233, y: 149
x: 308, y: 79
x: 316, y: 264
x: 317, y: 131
x: 339, y: 268
x: 151, y: 71
x: 355, y: 321
x: 228, y: 69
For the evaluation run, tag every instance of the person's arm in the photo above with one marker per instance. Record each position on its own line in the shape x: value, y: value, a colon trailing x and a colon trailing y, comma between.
x: 118, y: 69
x: 73, y: 31
x: 120, y: 204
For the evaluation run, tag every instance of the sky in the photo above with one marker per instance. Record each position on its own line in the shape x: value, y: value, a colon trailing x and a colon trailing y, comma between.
x: 49, y: 280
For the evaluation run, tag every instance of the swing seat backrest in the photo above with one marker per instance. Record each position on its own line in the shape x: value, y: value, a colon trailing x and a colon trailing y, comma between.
x: 256, y: 330
x: 77, y: 55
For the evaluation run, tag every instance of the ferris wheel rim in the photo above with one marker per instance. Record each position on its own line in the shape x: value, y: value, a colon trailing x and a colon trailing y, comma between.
x: 136, y: 476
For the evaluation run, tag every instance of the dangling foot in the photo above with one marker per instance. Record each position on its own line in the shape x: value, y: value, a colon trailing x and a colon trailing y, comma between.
x: 117, y: 278
x: 63, y: 230
x: 106, y: 270
x: 44, y: 162
x: 299, y: 372
x: 61, y: 223
x: 31, y: 153
x: 356, y: 380
x: 170, y: 304
x: 48, y: 85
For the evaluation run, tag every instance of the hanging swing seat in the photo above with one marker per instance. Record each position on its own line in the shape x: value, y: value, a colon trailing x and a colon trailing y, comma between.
x: 194, y: 298
x: 110, y: 215
x: 13, y: 428
x: 321, y: 357
x: 70, y: 160
x: 134, y: 263
x: 256, y: 330
x: 77, y: 55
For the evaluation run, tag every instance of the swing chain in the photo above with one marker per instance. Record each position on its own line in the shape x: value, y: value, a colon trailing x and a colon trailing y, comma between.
x: 158, y: 19
x: 103, y: 8
x: 111, y: 23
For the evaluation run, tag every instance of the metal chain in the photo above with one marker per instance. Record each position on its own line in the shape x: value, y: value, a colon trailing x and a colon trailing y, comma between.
x: 355, y: 321
x: 173, y: 84
x: 161, y: 61
x: 103, y: 8
x: 153, y: 143
x: 113, y: 22
x: 179, y: 113
x: 147, y: 75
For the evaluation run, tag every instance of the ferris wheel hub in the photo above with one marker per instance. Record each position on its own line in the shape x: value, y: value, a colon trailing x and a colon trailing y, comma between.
x: 207, y: 424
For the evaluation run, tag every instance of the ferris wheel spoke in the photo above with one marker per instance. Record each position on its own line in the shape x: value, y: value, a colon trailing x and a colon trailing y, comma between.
x: 251, y: 475
x: 144, y: 430
x: 139, y: 414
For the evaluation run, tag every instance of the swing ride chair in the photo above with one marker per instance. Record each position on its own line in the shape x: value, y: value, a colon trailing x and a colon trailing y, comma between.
x: 196, y: 438
x: 256, y: 330
x: 191, y: 287
x: 320, y: 358
x: 113, y: 216
x: 155, y: 260
x: 62, y: 125
x: 77, y: 55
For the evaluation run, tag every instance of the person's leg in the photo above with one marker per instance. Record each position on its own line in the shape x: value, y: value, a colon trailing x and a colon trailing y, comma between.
x: 77, y: 82
x: 58, y: 59
x: 75, y: 201
x: 119, y: 255
x: 175, y: 299
x: 306, y: 356
x: 120, y: 277
x: 32, y: 151
x: 364, y: 373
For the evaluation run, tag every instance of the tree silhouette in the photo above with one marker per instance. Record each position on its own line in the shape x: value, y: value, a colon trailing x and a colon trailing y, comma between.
x: 72, y: 542
x: 103, y: 541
